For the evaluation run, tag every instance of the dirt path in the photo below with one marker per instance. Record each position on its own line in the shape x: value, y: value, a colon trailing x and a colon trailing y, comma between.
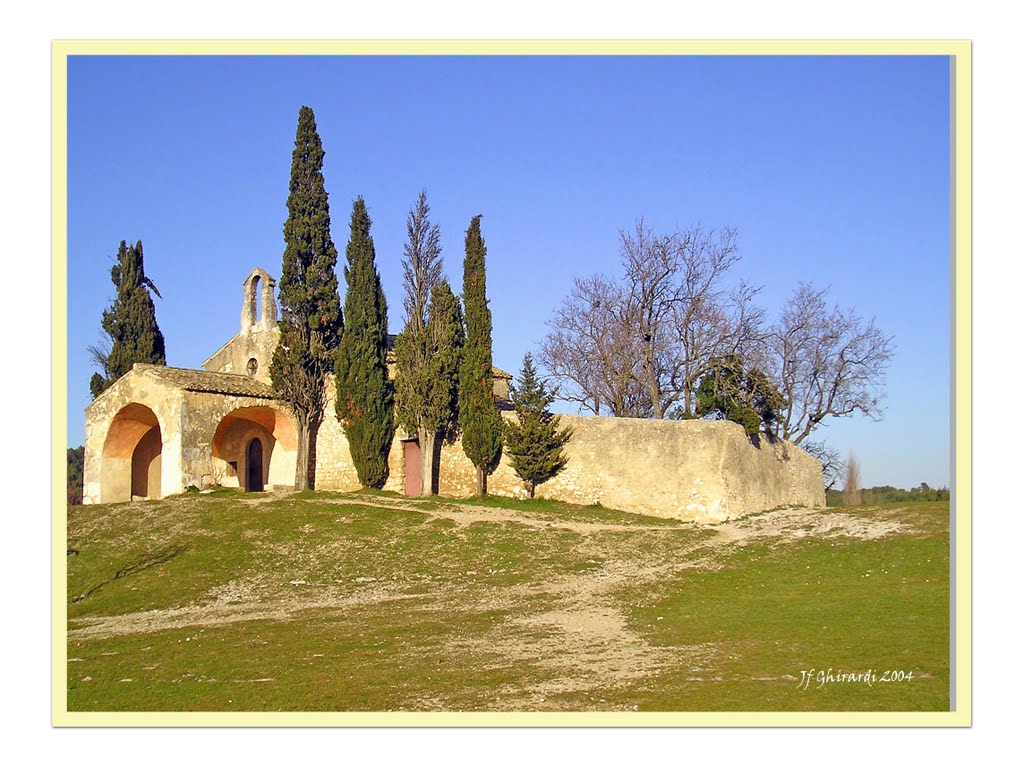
x: 586, y: 640
x: 581, y: 640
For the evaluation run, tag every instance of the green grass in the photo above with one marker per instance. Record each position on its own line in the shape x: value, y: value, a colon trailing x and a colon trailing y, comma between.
x: 848, y: 606
x: 335, y: 601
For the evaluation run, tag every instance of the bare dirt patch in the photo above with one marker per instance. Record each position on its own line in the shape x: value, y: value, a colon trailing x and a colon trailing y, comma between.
x: 572, y: 627
x: 220, y: 613
x: 793, y: 524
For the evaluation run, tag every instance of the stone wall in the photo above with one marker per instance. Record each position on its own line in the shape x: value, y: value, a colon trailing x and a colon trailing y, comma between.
x: 334, y: 467
x: 116, y: 421
x: 252, y: 417
x: 234, y: 356
x: 695, y: 470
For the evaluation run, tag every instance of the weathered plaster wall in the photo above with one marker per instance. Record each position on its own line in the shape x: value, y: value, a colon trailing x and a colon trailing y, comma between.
x: 249, y: 417
x: 334, y: 467
x: 108, y: 477
x: 697, y: 470
x: 703, y: 471
x: 233, y: 356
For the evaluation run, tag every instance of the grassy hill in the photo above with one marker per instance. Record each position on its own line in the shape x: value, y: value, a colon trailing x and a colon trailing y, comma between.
x: 334, y: 601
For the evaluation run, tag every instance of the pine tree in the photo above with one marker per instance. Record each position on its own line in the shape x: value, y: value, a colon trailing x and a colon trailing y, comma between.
x: 365, y: 398
x: 311, y: 319
x: 421, y: 404
x: 535, y: 440
x: 479, y: 418
x: 729, y: 391
x: 129, y: 322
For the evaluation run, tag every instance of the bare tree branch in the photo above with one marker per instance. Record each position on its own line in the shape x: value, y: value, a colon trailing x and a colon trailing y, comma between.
x: 833, y: 467
x: 591, y: 352
x: 830, y: 362
x: 651, y: 334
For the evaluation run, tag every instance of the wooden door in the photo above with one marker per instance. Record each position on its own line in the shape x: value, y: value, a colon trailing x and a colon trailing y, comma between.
x: 254, y: 466
x: 413, y: 469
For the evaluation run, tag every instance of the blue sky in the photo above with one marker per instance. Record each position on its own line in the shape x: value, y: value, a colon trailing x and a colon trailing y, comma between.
x: 834, y: 170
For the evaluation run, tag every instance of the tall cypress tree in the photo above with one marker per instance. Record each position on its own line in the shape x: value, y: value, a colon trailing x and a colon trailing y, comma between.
x: 422, y: 399
x: 479, y: 418
x: 440, y: 417
x: 535, y: 440
x: 311, y: 319
x: 129, y: 322
x: 365, y: 397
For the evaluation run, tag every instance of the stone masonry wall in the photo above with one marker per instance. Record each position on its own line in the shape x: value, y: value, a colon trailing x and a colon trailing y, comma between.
x: 695, y: 470
x: 202, y: 415
x: 334, y: 467
x: 233, y: 356
x: 704, y: 471
x: 111, y: 482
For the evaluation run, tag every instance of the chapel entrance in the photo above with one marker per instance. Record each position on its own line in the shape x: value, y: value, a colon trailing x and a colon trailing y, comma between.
x: 254, y: 466
x: 413, y: 469
x: 254, y: 448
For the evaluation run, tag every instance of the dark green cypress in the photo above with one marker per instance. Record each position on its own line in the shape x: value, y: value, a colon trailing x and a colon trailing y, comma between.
x: 129, y: 322
x: 311, y: 319
x: 446, y: 338
x: 365, y: 398
x: 479, y: 418
x: 535, y: 439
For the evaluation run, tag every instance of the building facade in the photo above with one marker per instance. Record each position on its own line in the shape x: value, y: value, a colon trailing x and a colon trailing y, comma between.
x: 160, y: 430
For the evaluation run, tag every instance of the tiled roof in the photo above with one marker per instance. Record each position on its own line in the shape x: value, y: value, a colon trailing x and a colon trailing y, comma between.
x: 211, y: 382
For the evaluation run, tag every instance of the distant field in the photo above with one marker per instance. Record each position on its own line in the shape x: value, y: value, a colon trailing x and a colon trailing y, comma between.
x: 373, y: 602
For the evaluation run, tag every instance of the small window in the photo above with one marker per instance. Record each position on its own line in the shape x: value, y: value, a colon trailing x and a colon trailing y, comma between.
x: 252, y: 366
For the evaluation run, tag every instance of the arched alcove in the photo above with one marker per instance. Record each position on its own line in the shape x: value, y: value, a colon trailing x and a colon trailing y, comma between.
x: 132, y: 457
x: 255, y: 434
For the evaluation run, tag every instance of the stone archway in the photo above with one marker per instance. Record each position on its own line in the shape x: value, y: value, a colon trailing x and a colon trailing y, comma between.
x: 255, y: 447
x: 131, y: 464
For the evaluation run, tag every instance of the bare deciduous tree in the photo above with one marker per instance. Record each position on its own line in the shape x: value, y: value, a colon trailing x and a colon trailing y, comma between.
x: 100, y: 355
x: 701, y: 319
x: 829, y: 362
x: 637, y: 346
x: 591, y: 353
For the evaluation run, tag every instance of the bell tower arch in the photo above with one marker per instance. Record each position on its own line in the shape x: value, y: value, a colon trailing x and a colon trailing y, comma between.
x: 251, y: 351
x: 259, y: 308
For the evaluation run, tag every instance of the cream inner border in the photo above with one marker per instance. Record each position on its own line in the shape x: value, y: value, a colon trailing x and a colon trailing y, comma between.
x: 960, y: 234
